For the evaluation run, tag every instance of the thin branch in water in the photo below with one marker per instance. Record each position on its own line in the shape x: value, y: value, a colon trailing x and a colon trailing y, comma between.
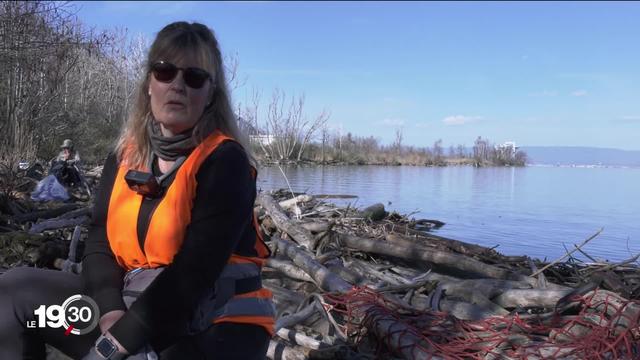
x: 568, y: 254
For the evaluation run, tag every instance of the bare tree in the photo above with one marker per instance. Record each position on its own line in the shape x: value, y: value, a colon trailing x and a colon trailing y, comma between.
x: 437, y: 152
x: 42, y: 47
x: 260, y: 135
x: 233, y: 77
x: 309, y: 128
x: 287, y: 127
x: 397, y: 143
x: 480, y: 150
x: 325, y: 133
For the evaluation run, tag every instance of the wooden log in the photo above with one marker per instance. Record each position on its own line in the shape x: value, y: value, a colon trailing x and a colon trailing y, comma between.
x: 398, y: 337
x: 298, y: 338
x: 73, y: 246
x: 296, y: 318
x: 366, y: 268
x: 84, y: 211
x: 316, y: 226
x: 323, y: 277
x: 326, y: 257
x: 280, y: 351
x: 476, y: 298
x: 577, y: 329
x: 527, y: 298
x: 58, y: 224
x: 384, y: 326
x: 611, y: 281
x: 456, y: 245
x: 414, y: 284
x: 289, y: 204
x: 459, y: 309
x: 284, y: 293
x: 347, y: 274
x: 335, y: 196
x: 487, y: 287
x: 552, y: 352
x: 282, y: 221
x: 285, y: 300
x: 445, y: 259
x: 623, y: 313
x: 542, y: 280
x: 45, y: 214
x: 288, y: 268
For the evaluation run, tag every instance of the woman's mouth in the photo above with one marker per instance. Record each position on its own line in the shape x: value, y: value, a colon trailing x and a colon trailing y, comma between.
x: 175, y: 104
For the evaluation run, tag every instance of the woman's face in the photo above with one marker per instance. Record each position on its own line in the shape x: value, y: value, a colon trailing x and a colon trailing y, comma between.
x: 176, y: 106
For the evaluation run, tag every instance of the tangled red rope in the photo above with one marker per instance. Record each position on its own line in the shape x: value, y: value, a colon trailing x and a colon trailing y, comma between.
x: 605, y: 326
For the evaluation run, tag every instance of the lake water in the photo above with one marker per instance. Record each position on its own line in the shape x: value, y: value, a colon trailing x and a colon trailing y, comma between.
x: 524, y: 211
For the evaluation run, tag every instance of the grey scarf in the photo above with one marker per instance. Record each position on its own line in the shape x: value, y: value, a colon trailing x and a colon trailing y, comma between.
x: 170, y: 148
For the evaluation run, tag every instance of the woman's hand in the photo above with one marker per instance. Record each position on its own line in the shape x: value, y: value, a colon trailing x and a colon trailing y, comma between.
x: 107, y: 320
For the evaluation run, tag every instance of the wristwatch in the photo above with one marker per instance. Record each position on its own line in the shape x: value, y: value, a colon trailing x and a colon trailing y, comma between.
x: 107, y: 349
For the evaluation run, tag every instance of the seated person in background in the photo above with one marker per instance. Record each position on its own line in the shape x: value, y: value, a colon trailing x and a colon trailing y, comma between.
x: 66, y: 166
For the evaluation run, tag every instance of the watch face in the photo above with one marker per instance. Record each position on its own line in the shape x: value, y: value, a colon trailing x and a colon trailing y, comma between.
x: 105, y: 348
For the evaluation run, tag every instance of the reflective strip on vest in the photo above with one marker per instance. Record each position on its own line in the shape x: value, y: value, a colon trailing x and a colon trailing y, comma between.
x: 247, y: 307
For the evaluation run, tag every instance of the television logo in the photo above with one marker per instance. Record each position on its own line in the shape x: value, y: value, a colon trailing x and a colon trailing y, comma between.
x: 78, y: 315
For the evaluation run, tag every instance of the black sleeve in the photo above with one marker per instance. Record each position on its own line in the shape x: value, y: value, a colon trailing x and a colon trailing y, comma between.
x: 101, y: 274
x: 223, y: 207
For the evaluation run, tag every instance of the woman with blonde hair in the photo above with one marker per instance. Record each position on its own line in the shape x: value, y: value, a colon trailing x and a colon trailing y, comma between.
x: 174, y: 255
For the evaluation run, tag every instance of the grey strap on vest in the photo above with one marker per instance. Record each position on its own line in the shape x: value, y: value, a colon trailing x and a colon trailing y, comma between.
x: 136, y: 281
x: 235, y: 279
x: 217, y: 301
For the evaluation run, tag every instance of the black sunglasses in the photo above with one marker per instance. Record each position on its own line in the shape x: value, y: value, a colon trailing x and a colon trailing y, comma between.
x: 194, y: 77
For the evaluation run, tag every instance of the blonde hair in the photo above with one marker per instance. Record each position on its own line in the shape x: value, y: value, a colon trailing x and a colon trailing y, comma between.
x: 173, y: 42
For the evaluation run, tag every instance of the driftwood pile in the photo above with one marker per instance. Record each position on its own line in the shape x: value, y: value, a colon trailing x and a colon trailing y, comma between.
x: 360, y: 284
x: 351, y: 284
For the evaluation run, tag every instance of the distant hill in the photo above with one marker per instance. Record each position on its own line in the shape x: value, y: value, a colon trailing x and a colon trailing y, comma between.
x: 578, y: 155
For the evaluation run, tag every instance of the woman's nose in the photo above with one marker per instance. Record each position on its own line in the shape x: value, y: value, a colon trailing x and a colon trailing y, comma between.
x: 178, y: 83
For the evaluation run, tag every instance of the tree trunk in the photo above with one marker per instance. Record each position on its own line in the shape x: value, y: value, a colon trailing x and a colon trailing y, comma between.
x: 282, y: 221
x: 441, y: 258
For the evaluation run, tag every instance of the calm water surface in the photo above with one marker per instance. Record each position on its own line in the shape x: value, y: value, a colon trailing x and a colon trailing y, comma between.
x: 525, y: 211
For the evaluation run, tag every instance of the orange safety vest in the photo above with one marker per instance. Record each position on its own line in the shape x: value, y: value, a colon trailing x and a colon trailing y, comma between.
x: 166, y: 233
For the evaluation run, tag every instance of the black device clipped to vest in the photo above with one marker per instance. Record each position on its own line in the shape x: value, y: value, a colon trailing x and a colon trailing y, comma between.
x: 143, y: 183
x: 146, y: 184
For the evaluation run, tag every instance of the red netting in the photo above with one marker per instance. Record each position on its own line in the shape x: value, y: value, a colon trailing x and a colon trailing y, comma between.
x: 603, y: 326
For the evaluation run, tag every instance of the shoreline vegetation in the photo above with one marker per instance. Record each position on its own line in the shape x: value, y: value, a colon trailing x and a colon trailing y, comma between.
x: 385, y: 157
x: 355, y: 150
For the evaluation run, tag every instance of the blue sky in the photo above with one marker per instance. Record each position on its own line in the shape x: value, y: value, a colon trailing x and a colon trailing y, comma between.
x: 538, y: 73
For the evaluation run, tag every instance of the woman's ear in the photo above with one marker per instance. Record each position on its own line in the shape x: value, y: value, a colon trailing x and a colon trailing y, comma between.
x: 148, y: 82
